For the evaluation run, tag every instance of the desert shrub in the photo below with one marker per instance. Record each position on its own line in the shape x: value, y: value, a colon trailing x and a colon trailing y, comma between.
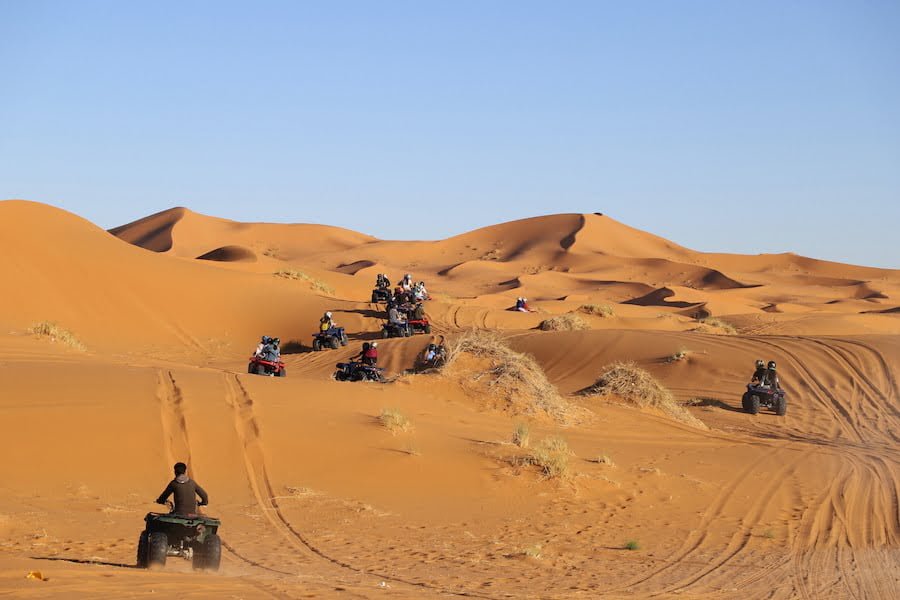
x: 604, y: 459
x: 564, y: 322
x: 55, y: 333
x: 514, y: 378
x: 636, y: 386
x: 521, y: 435
x: 678, y: 356
x: 533, y: 551
x: 599, y: 310
x: 719, y: 324
x: 632, y: 545
x: 316, y: 284
x: 552, y: 456
x: 394, y: 421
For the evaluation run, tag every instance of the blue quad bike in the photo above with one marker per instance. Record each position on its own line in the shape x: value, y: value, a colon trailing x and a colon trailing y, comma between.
x: 333, y: 338
x: 763, y: 396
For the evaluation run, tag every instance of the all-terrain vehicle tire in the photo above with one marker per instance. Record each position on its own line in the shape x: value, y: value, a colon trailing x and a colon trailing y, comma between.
x: 334, y: 343
x: 250, y: 368
x: 157, y: 546
x: 317, y: 345
x: 344, y: 340
x: 261, y: 370
x: 745, y: 401
x: 753, y: 405
x: 281, y: 373
x: 385, y: 333
x: 428, y: 328
x: 142, y: 546
x: 208, y: 555
x: 780, y: 406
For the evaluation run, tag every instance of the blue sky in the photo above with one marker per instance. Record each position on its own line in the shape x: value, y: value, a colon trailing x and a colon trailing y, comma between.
x: 724, y: 126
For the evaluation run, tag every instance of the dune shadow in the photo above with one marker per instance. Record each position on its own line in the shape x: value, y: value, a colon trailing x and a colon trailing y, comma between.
x: 295, y: 347
x: 365, y: 336
x: 367, y: 312
x: 85, y: 561
x: 716, y: 403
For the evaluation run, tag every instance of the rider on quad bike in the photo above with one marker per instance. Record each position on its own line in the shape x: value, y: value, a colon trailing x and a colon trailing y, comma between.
x: 368, y: 355
x: 185, y: 490
x: 765, y: 391
x: 760, y: 371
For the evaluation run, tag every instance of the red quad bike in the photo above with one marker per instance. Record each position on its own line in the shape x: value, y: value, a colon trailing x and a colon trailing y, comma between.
x: 420, y: 325
x: 258, y: 366
x: 758, y: 396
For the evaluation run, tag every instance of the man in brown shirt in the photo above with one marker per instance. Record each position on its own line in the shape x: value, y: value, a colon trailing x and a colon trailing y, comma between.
x: 185, y: 491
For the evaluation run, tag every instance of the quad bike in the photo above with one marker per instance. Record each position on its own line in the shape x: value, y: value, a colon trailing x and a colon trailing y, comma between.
x: 192, y: 537
x: 758, y: 396
x: 381, y: 295
x: 260, y: 366
x: 419, y: 325
x: 357, y: 371
x: 332, y: 338
x: 389, y: 330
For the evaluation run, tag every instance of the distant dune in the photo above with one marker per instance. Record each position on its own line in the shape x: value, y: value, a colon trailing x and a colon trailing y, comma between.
x: 122, y: 352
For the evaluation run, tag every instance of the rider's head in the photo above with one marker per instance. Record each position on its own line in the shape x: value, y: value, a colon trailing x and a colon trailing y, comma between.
x: 760, y: 363
x: 328, y: 314
x: 771, y: 365
x: 180, y: 469
x: 264, y: 339
x: 374, y: 344
x: 276, y: 341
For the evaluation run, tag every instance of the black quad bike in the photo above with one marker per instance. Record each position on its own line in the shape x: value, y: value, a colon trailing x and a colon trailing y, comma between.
x: 758, y: 396
x: 260, y: 366
x: 357, y: 371
x: 389, y: 330
x: 332, y: 338
x: 192, y: 537
x: 381, y: 295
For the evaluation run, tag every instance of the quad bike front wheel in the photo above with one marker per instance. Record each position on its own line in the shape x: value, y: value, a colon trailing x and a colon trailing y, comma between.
x: 261, y: 370
x: 317, y: 345
x: 753, y: 405
x: 334, y: 343
x: 143, y: 544
x: 780, y: 406
x: 281, y: 373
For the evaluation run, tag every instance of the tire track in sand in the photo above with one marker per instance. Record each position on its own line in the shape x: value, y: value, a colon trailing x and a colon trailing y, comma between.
x: 174, y: 425
x: 247, y: 430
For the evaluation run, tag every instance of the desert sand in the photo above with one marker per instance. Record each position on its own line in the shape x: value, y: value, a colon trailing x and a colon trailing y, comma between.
x: 318, y: 499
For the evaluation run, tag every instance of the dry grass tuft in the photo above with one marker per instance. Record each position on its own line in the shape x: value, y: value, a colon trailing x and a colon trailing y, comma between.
x: 482, y: 361
x: 552, y: 456
x: 598, y: 310
x: 394, y: 421
x: 316, y: 284
x: 604, y: 459
x: 55, y: 333
x: 521, y: 435
x: 533, y: 551
x: 718, y: 323
x: 564, y: 322
x: 636, y: 386
x: 682, y: 354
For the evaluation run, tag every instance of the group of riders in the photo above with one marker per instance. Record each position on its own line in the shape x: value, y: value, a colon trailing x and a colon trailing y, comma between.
x: 269, y: 348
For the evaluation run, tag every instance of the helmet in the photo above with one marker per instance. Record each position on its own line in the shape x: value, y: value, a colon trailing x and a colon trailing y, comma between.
x: 264, y: 339
x: 759, y: 363
x: 374, y: 344
x: 328, y: 314
x: 771, y: 365
x: 276, y: 341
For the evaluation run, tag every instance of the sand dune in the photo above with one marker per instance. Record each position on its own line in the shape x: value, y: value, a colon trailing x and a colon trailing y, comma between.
x: 319, y: 499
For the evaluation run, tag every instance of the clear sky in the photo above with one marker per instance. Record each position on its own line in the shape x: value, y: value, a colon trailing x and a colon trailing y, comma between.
x: 745, y: 126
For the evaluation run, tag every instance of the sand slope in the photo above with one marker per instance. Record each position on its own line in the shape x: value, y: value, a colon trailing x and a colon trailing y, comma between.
x: 318, y: 499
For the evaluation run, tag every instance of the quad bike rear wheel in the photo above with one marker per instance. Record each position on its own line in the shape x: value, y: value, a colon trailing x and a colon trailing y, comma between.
x: 142, y: 550
x: 317, y: 345
x: 780, y: 406
x: 157, y: 546
x: 261, y: 369
x: 753, y: 407
x: 334, y: 343
x: 428, y: 328
x: 208, y: 555
x: 745, y: 401
x: 385, y: 333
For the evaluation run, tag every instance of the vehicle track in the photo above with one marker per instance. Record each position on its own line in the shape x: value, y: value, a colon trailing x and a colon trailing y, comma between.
x: 247, y: 430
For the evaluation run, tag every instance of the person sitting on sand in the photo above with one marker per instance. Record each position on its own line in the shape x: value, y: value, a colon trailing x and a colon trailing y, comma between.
x: 435, y: 353
x: 760, y: 371
x: 522, y: 305
x: 186, y: 492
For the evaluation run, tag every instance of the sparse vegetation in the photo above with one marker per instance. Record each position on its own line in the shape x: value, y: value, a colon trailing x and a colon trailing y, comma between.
x: 482, y: 361
x: 394, y: 421
x: 316, y: 284
x: 636, y: 386
x: 521, y: 435
x: 598, y: 310
x: 604, y: 459
x: 678, y: 356
x: 564, y: 322
x: 533, y: 551
x: 718, y: 323
x: 55, y: 333
x: 552, y: 456
x: 632, y: 545
x: 768, y: 534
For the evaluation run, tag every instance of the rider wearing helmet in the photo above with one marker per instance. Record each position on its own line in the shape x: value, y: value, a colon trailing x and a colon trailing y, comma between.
x: 326, y: 322
x: 760, y: 371
x: 770, y: 378
x: 261, y: 348
x: 370, y: 356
